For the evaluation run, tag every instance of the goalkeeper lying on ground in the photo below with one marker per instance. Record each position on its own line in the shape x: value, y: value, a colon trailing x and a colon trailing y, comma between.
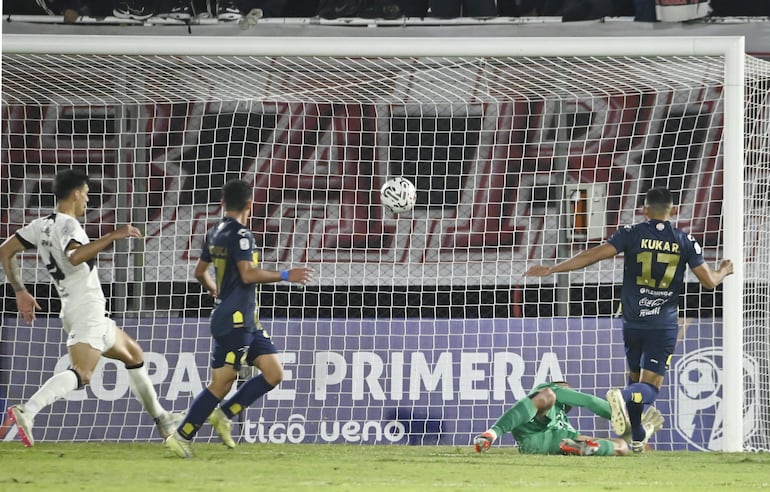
x: 540, y: 425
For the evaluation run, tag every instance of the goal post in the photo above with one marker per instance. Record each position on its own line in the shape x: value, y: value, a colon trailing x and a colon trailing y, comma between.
x: 732, y: 335
x: 502, y: 117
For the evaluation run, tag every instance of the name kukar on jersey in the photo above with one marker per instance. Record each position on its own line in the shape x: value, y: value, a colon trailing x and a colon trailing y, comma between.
x: 656, y: 255
x: 659, y: 245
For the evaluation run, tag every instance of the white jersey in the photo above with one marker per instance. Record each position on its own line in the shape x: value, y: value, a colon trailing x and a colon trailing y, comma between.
x: 51, y: 235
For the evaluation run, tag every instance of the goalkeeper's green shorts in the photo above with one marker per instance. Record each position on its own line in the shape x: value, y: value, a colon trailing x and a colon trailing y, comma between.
x: 545, y: 442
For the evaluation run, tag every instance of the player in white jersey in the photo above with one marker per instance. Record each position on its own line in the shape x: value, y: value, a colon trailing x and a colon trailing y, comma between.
x: 69, y: 256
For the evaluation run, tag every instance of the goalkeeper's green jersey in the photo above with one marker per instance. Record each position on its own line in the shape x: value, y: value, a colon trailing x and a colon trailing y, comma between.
x: 542, y: 435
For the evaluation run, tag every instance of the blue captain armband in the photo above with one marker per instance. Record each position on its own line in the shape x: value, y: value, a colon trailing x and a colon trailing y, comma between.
x: 285, y: 275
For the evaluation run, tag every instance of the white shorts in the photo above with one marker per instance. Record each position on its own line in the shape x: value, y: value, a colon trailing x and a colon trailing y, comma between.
x: 89, y: 324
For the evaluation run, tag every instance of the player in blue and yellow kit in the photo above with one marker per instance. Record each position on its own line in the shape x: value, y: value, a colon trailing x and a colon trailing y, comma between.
x: 238, y: 335
x: 655, y: 257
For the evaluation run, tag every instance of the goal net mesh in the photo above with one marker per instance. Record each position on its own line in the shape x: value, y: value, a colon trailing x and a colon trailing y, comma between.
x: 419, y: 328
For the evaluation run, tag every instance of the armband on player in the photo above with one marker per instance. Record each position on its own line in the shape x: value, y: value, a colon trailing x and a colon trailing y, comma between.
x: 285, y: 275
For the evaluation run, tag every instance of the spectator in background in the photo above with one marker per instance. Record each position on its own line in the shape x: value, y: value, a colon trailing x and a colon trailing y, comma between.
x: 134, y: 9
x: 225, y: 10
x: 232, y: 10
x: 176, y: 9
x: 185, y: 10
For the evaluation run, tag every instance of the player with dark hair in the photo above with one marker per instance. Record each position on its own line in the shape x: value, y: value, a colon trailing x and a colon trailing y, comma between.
x: 540, y: 424
x: 70, y: 258
x: 238, y: 335
x: 655, y: 257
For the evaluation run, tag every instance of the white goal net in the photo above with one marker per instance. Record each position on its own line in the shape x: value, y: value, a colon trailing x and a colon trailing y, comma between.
x: 419, y: 328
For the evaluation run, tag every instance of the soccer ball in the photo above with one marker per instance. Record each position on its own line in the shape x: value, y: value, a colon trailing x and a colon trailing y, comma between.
x: 398, y: 195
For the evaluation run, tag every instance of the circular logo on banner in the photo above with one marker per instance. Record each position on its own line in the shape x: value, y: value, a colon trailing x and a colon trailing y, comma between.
x: 698, y: 414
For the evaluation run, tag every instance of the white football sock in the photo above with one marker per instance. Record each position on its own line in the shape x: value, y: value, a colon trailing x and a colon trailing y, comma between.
x: 144, y: 391
x: 56, y: 387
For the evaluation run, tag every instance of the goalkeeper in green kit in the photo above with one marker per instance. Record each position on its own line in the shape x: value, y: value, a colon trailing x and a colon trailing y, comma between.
x: 540, y: 425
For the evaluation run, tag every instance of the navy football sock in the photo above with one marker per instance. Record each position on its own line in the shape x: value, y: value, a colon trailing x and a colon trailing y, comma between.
x: 639, y: 395
x: 246, y: 395
x: 635, y: 416
x: 202, y: 406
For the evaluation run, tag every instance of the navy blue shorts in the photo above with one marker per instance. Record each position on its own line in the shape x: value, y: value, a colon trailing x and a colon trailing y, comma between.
x: 231, y: 348
x: 649, y: 349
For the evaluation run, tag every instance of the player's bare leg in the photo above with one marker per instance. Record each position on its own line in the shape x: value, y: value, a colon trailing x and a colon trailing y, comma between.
x: 271, y: 368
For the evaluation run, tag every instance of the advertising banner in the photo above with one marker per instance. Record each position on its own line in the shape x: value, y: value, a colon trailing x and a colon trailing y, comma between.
x: 404, y: 381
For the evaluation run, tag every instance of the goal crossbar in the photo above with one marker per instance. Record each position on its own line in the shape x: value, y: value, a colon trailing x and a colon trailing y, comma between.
x: 373, y: 46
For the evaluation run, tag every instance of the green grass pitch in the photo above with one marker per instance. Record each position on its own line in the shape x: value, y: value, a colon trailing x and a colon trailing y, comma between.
x: 347, y: 467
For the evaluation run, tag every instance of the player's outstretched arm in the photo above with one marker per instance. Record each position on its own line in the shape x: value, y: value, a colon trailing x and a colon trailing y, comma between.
x: 25, y: 302
x: 79, y: 253
x: 581, y: 260
x: 709, y: 278
x: 253, y: 275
